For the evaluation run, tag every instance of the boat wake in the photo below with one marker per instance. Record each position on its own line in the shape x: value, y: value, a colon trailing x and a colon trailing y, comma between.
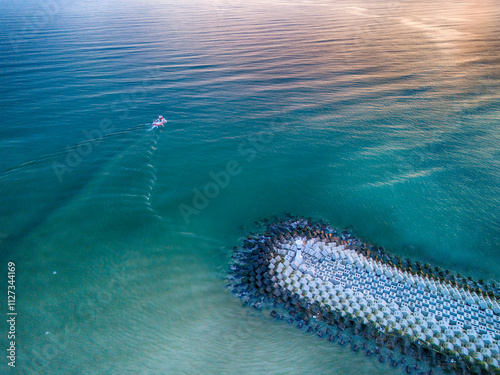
x: 53, y: 156
x: 100, y: 194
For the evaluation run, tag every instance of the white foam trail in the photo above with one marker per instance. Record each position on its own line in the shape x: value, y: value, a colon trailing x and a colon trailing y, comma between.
x: 153, y: 126
x: 152, y: 181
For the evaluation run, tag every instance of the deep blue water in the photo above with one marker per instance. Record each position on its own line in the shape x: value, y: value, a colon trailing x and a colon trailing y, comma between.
x: 381, y: 117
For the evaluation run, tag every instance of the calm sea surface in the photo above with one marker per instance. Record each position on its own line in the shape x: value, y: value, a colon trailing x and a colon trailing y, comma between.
x: 379, y: 116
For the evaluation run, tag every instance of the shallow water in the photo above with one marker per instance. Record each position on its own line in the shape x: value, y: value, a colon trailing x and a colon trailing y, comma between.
x: 381, y: 117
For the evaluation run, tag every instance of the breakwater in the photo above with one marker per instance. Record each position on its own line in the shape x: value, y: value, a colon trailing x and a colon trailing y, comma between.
x: 322, y: 277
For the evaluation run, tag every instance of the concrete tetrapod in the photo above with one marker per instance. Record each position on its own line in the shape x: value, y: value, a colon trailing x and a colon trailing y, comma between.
x: 321, y: 272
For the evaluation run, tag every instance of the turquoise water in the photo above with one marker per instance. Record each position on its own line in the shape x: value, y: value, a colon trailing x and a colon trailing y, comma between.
x: 381, y: 117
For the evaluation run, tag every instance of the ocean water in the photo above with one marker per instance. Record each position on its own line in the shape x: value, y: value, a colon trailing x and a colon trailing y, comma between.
x: 378, y: 116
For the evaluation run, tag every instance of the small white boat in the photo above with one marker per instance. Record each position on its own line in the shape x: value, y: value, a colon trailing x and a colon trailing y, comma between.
x: 160, y: 121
